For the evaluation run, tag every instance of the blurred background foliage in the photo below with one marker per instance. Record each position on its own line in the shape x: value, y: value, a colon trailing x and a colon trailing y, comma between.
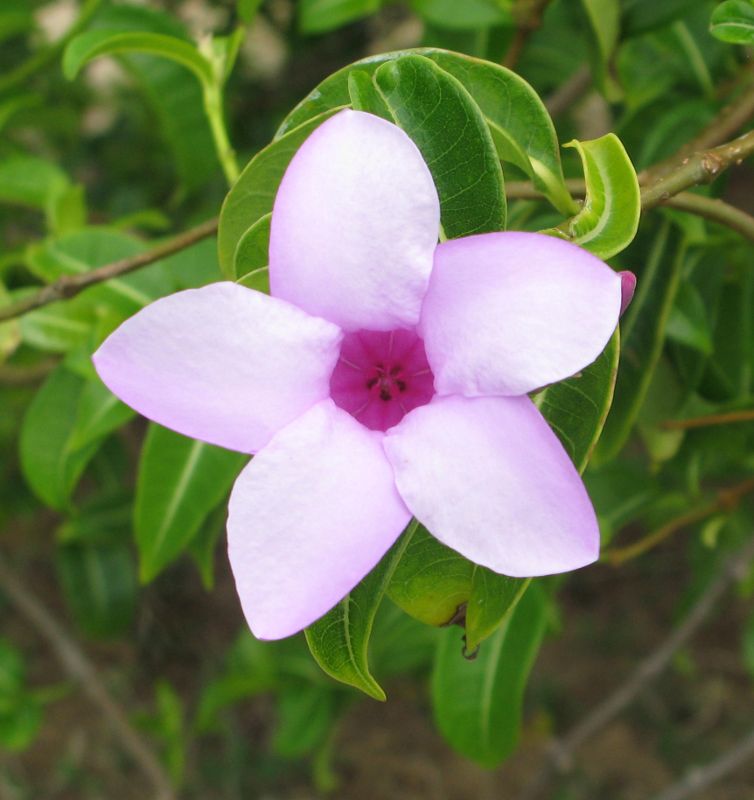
x: 147, y: 683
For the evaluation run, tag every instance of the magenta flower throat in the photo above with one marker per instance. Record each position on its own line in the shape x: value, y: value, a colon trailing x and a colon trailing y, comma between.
x: 381, y: 376
x: 387, y: 375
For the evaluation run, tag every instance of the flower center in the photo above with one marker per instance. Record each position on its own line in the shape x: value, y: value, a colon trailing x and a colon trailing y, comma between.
x: 381, y: 376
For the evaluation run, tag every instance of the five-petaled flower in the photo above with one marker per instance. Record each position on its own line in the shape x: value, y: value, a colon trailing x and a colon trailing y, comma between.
x: 386, y: 376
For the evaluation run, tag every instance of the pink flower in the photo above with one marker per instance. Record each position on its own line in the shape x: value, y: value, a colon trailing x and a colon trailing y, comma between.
x: 385, y: 377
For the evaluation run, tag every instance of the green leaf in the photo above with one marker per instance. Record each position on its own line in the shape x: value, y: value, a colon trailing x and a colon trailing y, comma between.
x: 609, y: 218
x: 688, y: 323
x: 521, y: 128
x: 31, y: 181
x: 93, y: 247
x: 477, y: 704
x: 59, y: 327
x: 173, y: 94
x: 438, y: 586
x: 305, y: 716
x: 603, y: 18
x: 99, y: 585
x: 51, y: 466
x: 447, y: 126
x: 180, y: 482
x: 253, y: 194
x: 733, y: 22
x: 431, y: 582
x: 469, y: 15
x: 339, y: 641
x: 247, y: 10
x: 577, y: 408
x: 643, y: 334
x: 99, y: 414
x: 252, y: 252
x: 492, y: 599
x: 95, y: 43
x: 318, y: 16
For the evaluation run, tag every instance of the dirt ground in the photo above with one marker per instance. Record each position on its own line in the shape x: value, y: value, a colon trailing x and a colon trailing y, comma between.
x: 693, y: 713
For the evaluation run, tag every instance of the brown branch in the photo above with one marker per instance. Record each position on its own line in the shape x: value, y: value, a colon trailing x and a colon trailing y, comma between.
x: 730, y: 120
x: 707, y: 207
x: 70, y: 285
x: 701, y: 167
x: 11, y: 375
x: 561, y: 753
x: 746, y: 415
x: 81, y: 670
x: 528, y: 17
x: 700, y: 778
x: 726, y: 500
x: 569, y: 92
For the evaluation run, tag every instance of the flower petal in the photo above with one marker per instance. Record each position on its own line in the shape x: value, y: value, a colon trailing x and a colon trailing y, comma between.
x: 488, y: 478
x: 309, y: 517
x: 224, y: 364
x: 507, y: 313
x: 355, y: 225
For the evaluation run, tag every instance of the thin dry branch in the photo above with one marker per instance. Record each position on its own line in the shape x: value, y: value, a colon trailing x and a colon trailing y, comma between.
x: 700, y: 778
x: 727, y: 418
x: 71, y: 285
x: 81, y: 670
x: 725, y: 501
x: 560, y: 754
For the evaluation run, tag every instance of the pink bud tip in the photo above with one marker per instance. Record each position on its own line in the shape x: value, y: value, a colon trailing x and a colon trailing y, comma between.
x: 627, y: 289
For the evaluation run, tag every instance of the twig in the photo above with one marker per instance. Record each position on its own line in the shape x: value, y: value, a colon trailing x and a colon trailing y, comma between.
x: 726, y: 500
x: 700, y: 778
x: 70, y: 285
x: 567, y: 94
x: 11, y: 375
x: 701, y: 167
x: 83, y: 672
x: 746, y: 415
x: 709, y: 208
x: 560, y: 754
x: 730, y: 119
x: 528, y: 16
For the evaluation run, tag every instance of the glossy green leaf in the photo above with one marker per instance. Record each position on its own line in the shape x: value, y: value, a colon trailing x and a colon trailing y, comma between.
x: 447, y: 126
x: 577, y: 408
x: 339, y: 641
x: 492, y: 599
x: 431, y: 582
x: 99, y: 585
x: 318, y: 16
x: 252, y: 195
x: 733, y: 21
x: 253, y: 249
x: 643, y: 333
x: 521, y: 128
x: 477, y: 704
x: 180, y: 482
x: 95, y: 43
x: 609, y: 218
x: 50, y: 465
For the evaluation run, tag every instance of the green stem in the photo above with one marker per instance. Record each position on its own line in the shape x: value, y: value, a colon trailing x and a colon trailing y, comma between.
x: 213, y: 107
x: 49, y: 54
